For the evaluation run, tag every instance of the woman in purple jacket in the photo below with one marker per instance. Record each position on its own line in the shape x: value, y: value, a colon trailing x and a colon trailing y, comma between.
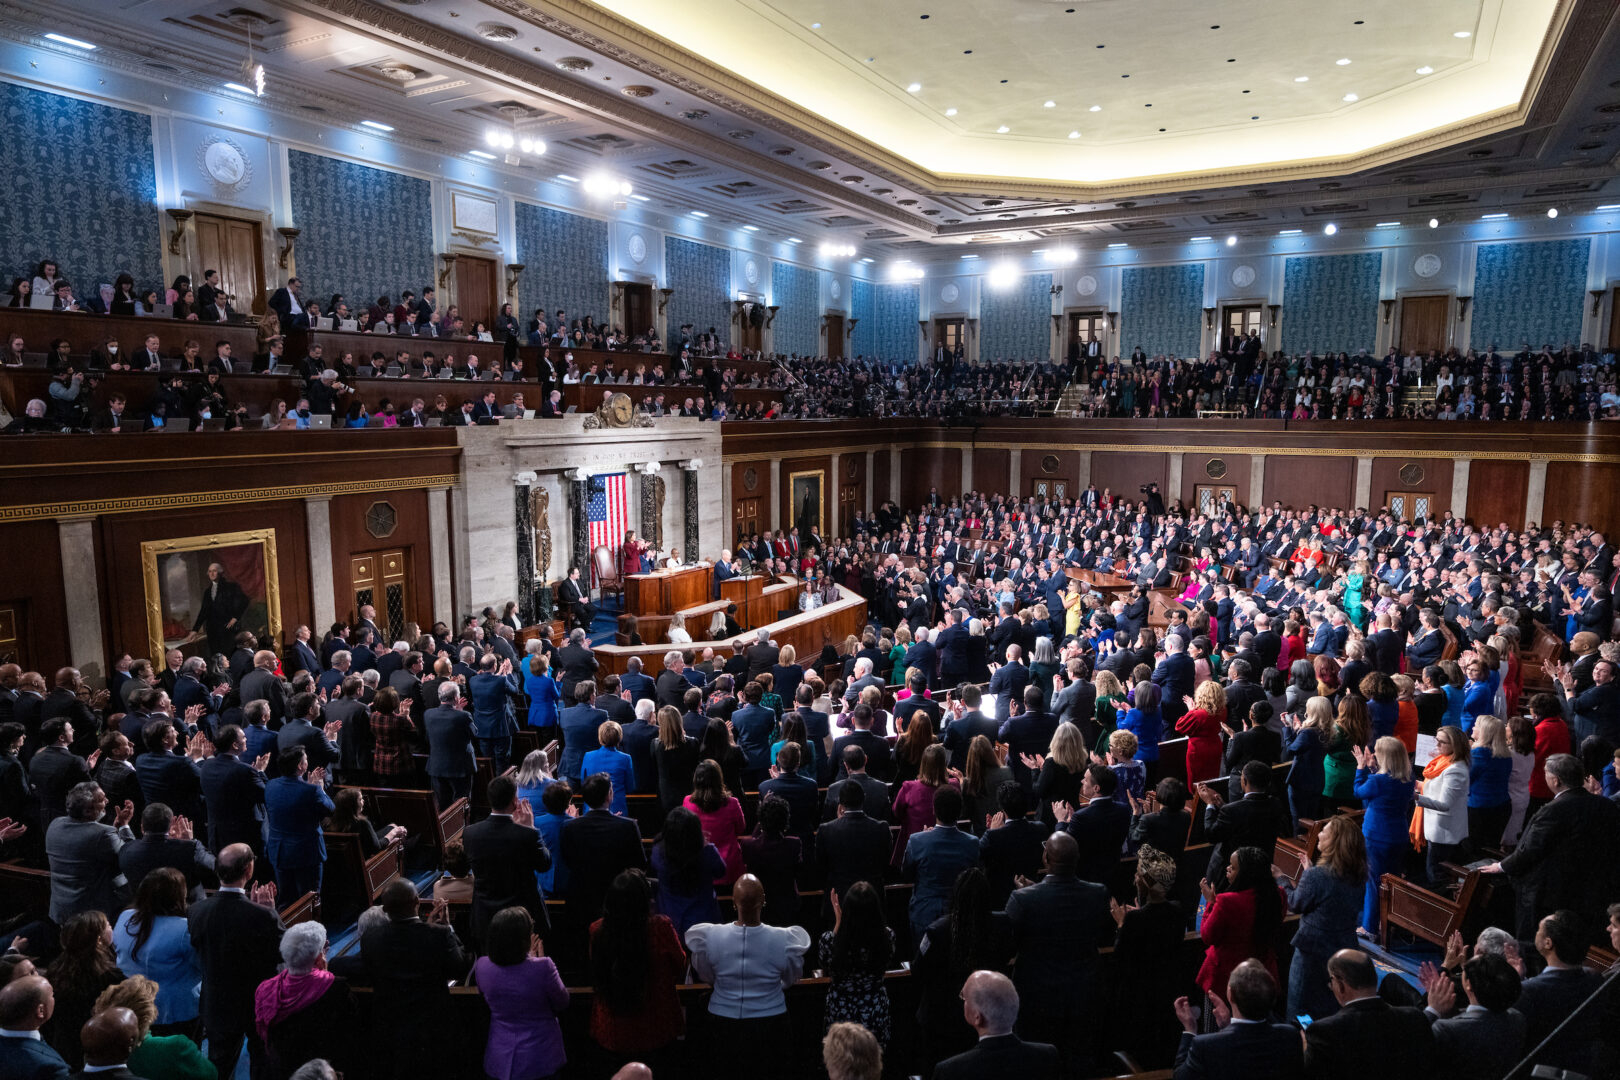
x: 525, y: 994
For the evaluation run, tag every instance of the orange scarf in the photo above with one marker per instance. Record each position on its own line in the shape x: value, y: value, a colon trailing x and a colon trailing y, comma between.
x: 1433, y: 769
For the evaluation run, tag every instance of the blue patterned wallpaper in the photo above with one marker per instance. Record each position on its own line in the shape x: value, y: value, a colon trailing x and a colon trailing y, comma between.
x: 1016, y: 324
x: 701, y: 278
x: 863, y: 309
x: 70, y: 163
x: 1330, y: 302
x: 1160, y: 309
x: 565, y: 258
x: 797, y: 291
x: 888, y: 314
x: 1531, y: 292
x: 365, y: 232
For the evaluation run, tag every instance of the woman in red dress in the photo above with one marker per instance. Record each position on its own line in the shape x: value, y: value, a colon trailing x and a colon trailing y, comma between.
x: 1202, y: 726
x: 630, y: 554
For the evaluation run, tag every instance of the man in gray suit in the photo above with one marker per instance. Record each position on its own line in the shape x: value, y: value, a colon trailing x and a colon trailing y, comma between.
x: 263, y: 684
x: 83, y: 855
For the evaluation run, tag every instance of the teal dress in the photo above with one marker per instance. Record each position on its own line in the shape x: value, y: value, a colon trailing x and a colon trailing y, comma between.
x: 1352, y: 600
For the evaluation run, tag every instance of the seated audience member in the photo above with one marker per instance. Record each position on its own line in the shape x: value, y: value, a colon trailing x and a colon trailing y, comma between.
x: 851, y: 1052
x: 636, y: 961
x: 304, y: 1012
x: 153, y: 1055
x: 525, y: 994
x: 1487, y: 1037
x: 990, y: 1005
x: 1250, y: 1046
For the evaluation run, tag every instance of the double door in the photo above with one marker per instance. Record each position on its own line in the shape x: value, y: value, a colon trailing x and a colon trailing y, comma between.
x: 234, y: 247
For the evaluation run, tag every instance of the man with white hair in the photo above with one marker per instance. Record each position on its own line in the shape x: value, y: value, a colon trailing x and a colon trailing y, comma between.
x: 1174, y: 676
x: 671, y: 685
x: 863, y: 678
x: 990, y: 1006
x: 638, y: 740
x: 762, y: 655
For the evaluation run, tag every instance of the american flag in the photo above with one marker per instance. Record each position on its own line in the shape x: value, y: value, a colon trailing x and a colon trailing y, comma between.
x: 607, y: 508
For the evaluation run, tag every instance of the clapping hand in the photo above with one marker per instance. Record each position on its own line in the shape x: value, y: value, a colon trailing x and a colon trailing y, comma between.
x: 1456, y: 952
x: 195, y: 713
x: 1186, y: 699
x: 995, y: 820
x: 1206, y: 888
x: 1063, y: 812
x: 1220, y: 1010
x: 198, y: 746
x: 1118, y: 911
x: 90, y: 762
x: 439, y: 913
x: 537, y: 948
x: 397, y: 833
x: 260, y: 762
x: 1510, y: 953
x: 1187, y: 1013
x: 317, y: 776
x: 181, y: 828
x: 838, y: 908
x: 123, y: 814
x: 1209, y: 795
x: 572, y: 811
x: 1443, y: 996
x: 332, y: 730
x: 1032, y: 762
x: 19, y: 944
x: 10, y: 830
x: 523, y: 813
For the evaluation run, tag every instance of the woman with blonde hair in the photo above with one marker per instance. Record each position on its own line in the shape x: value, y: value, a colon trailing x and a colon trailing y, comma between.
x: 1110, y: 703
x: 1384, y: 786
x: 983, y: 774
x: 1490, y: 767
x: 154, y: 1055
x: 677, y: 633
x: 1059, y: 770
x: 717, y: 626
x: 1440, y: 822
x: 1202, y: 726
x: 897, y: 658
x: 1307, y: 748
x: 1406, y: 711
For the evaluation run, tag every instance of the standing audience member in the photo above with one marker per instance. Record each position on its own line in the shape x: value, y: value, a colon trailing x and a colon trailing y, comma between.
x: 237, y: 938
x: 1384, y: 785
x: 636, y: 961
x: 1252, y: 1046
x: 86, y: 966
x: 990, y: 1006
x: 1328, y: 902
x: 411, y: 962
x: 304, y: 1012
x: 525, y: 995
x: 1367, y: 1036
x: 150, y: 939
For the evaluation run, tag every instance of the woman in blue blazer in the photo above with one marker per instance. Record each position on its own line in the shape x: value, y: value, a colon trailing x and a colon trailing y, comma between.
x: 1479, y: 692
x: 1387, y: 795
x: 544, y: 696
x: 608, y: 758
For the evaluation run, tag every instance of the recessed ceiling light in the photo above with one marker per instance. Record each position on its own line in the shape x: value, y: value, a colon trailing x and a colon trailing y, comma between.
x: 1425, y: 70
x: 376, y: 125
x: 1096, y: 108
x: 1302, y: 78
x: 868, y: 259
x: 1049, y: 105
x: 1463, y: 34
x: 752, y: 228
x: 486, y: 155
x: 1492, y: 217
x: 641, y: 198
x: 1352, y: 97
x: 1074, y: 134
x: 1329, y: 229
x: 794, y: 240
x: 574, y: 180
x: 1386, y: 224
x: 239, y: 88
x: 1119, y: 245
x: 1610, y: 206
x: 1198, y: 239
x: 1231, y: 241
x: 914, y: 87
x: 63, y: 39
x: 699, y: 213
x: 1003, y: 129
x: 1290, y: 232
x: 970, y: 256
x: 1552, y: 211
x: 1434, y: 223
x: 950, y: 112
x: 1341, y: 61
x: 815, y: 26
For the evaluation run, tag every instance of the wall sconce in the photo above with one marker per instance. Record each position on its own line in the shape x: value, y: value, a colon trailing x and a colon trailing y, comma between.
x: 513, y: 272
x: 1462, y: 307
x: 1056, y: 290
x: 663, y: 299
x: 449, y: 260
x: 1113, y: 320
x: 922, y: 328
x: 1209, y: 318
x: 1272, y: 311
x: 179, y: 235
x: 770, y: 318
x: 288, y: 236
x: 737, y: 311
x: 1388, y: 307
x: 1596, y: 294
x: 1055, y: 320
x: 973, y: 327
x: 849, y: 328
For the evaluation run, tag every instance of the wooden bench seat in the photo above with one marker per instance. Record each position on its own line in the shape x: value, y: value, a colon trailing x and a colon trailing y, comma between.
x: 351, y: 882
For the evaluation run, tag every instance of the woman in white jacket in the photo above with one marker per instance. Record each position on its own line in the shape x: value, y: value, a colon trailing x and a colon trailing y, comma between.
x: 1444, y: 799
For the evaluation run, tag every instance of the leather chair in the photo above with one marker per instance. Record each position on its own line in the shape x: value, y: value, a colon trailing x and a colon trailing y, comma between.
x: 607, y: 572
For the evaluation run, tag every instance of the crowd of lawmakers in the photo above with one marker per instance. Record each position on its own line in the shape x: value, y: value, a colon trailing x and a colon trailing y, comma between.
x: 1021, y: 757
x: 434, y: 341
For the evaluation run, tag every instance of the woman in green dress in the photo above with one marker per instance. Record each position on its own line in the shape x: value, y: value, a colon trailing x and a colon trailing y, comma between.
x: 1350, y: 729
x: 1354, y: 608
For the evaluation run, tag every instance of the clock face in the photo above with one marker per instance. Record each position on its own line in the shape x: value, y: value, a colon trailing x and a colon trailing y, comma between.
x: 621, y: 408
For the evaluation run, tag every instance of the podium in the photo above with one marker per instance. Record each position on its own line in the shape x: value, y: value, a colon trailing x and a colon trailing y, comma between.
x: 664, y: 592
x: 742, y: 591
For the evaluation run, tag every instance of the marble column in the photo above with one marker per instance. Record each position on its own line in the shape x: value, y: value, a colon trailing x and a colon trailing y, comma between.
x: 1535, y: 499
x: 967, y: 468
x: 578, y: 493
x: 871, y: 496
x: 1257, y: 479
x: 836, y: 479
x: 322, y: 576
x: 689, y: 508
x: 439, y: 556
x: 894, y: 476
x: 728, y: 509
x: 1172, y: 478
x: 1364, y: 481
x: 774, y: 514
x: 523, y: 534
x: 651, y: 525
x: 1084, y: 480
x: 1015, y: 474
x: 1459, y: 488
x: 87, y: 650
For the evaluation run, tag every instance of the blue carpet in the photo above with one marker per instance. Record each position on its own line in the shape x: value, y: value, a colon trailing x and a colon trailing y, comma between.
x: 606, y: 623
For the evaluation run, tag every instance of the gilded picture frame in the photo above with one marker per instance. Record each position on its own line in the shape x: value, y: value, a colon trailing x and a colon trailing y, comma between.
x: 190, y: 608
x: 806, y: 502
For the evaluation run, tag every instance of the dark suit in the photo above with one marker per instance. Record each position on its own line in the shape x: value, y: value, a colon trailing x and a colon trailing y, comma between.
x: 579, y: 725
x: 576, y: 602
x: 1099, y: 830
x: 1480, y: 1044
x: 294, y: 843
x: 853, y: 847
x: 32, y: 1059
x: 879, y: 758
x: 320, y: 750
x: 281, y: 302
x: 876, y: 806
x: 223, y: 602
x: 411, y: 964
x: 1256, y: 820
x: 52, y: 774
x: 171, y: 779
x: 1015, y: 848
x: 596, y: 847
x: 1369, y: 1037
x: 1566, y: 859
x: 261, y: 685
x: 152, y: 851
x: 234, y: 793
x: 576, y: 663
x: 1259, y: 1051
x: 450, y: 753
x: 237, y: 945
x: 505, y: 858
x: 761, y: 658
x: 1004, y: 1056
x: 1058, y: 925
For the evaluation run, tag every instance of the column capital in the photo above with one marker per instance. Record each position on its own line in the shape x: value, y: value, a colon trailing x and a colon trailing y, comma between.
x: 525, y: 477
x: 578, y: 476
x: 648, y: 468
x: 691, y: 464
x: 311, y: 499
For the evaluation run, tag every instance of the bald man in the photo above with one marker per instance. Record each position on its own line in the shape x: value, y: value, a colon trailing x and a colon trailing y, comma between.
x: 990, y: 1006
x: 26, y: 1005
x: 109, y: 1037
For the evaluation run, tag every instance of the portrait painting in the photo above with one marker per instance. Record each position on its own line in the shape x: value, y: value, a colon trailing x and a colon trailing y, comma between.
x: 805, y: 489
x: 202, y: 591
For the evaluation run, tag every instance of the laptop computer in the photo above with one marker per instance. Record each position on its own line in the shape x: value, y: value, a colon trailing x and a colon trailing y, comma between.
x: 349, y: 325
x: 282, y: 369
x: 323, y: 324
x: 433, y: 421
x: 487, y: 375
x: 394, y: 371
x: 528, y: 414
x: 365, y: 371
x: 320, y: 422
x: 177, y: 423
x: 446, y: 373
x: 127, y: 424
x: 374, y: 421
x: 42, y: 301
x: 509, y: 411
x: 163, y: 311
x: 213, y: 423
x: 571, y: 409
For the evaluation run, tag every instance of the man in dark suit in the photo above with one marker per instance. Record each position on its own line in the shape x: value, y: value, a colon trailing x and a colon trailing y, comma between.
x: 300, y: 657
x: 233, y: 790
x: 26, y: 1005
x: 1550, y: 998
x: 1484, y: 1039
x: 853, y: 846
x: 263, y: 684
x: 295, y: 804
x: 754, y: 724
x: 1427, y: 645
x: 952, y: 644
x: 236, y: 936
x: 575, y: 600
x: 1248, y: 1045
x: 300, y: 731
x: 289, y: 308
x: 166, y: 840
x: 879, y: 758
x: 491, y: 692
x: 449, y: 730
x: 407, y: 683
x: 762, y: 655
x: 1384, y: 646
x: 506, y: 852
x: 1174, y: 677
x: 640, y: 686
x: 990, y: 1006
x: 639, y: 736
x: 1367, y: 1036
x: 596, y: 847
x: 55, y: 769
x: 411, y: 963
x: 1058, y: 925
x: 579, y: 724
x: 1030, y: 732
x: 1012, y: 845
x: 1099, y: 828
x: 935, y: 858
x: 1595, y: 710
x: 1255, y: 820
x: 967, y: 720
x: 574, y: 663
x: 1008, y: 680
x: 223, y: 603
x: 852, y: 763
x: 671, y: 686
x: 917, y: 683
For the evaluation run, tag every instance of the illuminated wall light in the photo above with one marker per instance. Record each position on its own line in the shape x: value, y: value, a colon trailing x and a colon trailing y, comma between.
x: 1329, y: 229
x: 1342, y: 61
x: 950, y: 112
x: 751, y: 228
x: 1119, y: 245
x: 1434, y: 223
x: 1463, y: 34
x: 1552, y: 211
x: 239, y: 88
x: 914, y: 88
x: 376, y: 125
x: 641, y: 198
x: 1386, y: 224
x: 1049, y: 105
x: 63, y: 39
x: 1231, y: 241
x: 485, y: 154
x: 699, y: 213
x: 532, y: 146
x: 1492, y: 217
x: 1074, y: 134
x: 1096, y: 108
x: 1425, y: 70
x: 1199, y: 239
x: 1290, y: 232
x: 1352, y: 97
x: 1061, y: 256
x: 1003, y: 275
x: 1003, y: 129
x: 1609, y: 206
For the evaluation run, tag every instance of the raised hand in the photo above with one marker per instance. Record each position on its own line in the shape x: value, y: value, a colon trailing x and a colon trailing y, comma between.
x: 573, y: 810
x: 10, y: 830
x: 332, y: 730
x: 1032, y: 762
x: 1207, y: 889
x: 1220, y: 1010
x: 260, y: 762
x: 1443, y: 996
x: 1456, y: 952
x: 523, y: 813
x: 1187, y: 1013
x: 123, y: 814
x: 537, y: 948
x: 439, y: 914
x: 996, y: 820
x: 1063, y: 812
x: 264, y: 895
x: 90, y: 762
x: 181, y: 828
x: 317, y: 776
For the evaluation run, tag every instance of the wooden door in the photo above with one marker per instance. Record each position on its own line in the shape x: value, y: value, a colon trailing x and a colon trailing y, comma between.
x: 1614, y: 319
x: 745, y: 518
x: 1237, y: 322
x: 13, y: 635
x: 951, y: 334
x: 382, y: 579
x: 835, y: 337
x: 638, y: 317
x: 234, y: 247
x: 475, y: 290
x: 1084, y: 327
x: 1425, y: 324
x: 1410, y: 505
x: 1209, y: 497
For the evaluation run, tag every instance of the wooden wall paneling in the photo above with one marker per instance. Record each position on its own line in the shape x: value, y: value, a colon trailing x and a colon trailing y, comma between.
x: 850, y: 489
x: 880, y: 476
x: 1584, y: 493
x: 1195, y: 473
x: 1125, y: 472
x: 821, y: 462
x: 992, y: 469
x: 350, y: 537
x: 1425, y: 323
x: 1302, y: 481
x: 925, y: 467
x: 37, y: 595
x: 1435, y: 480
x: 1497, y: 491
x: 750, y: 504
x: 1033, y: 465
x: 124, y: 598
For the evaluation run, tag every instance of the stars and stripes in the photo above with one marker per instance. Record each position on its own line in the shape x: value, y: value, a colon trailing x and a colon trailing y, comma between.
x: 607, y: 511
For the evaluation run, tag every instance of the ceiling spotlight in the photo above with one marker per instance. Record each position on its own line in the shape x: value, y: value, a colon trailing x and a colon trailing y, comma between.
x: 914, y: 87
x: 1342, y: 61
x: 601, y: 184
x: 376, y: 125
x: 905, y: 271
x: 1003, y: 275
x: 1049, y: 105
x: 833, y: 251
x: 1386, y: 224
x: 1096, y: 108
x: 532, y: 146
x: 1329, y: 229
x: 574, y: 180
x: 1352, y: 97
x: 1492, y: 217
x: 1119, y: 244
x: 1290, y: 232
x: 1425, y: 70
x: 1434, y: 223
x: 1463, y: 34
x: 1552, y: 211
x: 950, y: 112
x: 1003, y: 129
x: 1231, y: 241
x: 1199, y: 239
x: 1074, y: 134
x: 815, y: 26
x: 1302, y: 78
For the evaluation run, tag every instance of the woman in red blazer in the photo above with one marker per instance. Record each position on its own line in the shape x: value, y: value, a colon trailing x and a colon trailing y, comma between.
x: 1241, y: 923
x: 1206, y: 710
